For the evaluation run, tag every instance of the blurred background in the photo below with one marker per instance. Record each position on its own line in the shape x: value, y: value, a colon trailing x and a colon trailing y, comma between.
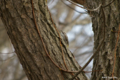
x: 70, y: 19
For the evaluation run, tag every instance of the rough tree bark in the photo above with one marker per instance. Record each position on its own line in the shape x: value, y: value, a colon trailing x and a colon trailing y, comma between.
x: 105, y: 57
x: 18, y: 18
x: 107, y: 17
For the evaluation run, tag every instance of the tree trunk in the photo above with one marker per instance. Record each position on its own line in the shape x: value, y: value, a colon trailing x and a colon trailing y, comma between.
x: 38, y: 61
x: 105, y: 59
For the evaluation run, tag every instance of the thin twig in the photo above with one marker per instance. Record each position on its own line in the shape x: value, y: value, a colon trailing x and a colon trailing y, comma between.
x: 8, y: 58
x: 41, y: 37
x: 109, y: 4
x: 8, y: 52
x: 86, y: 8
x: 60, y: 42
x: 74, y: 9
x: 44, y: 44
x: 59, y: 39
x: 97, y: 50
x: 115, y: 52
x: 88, y: 61
x: 95, y: 9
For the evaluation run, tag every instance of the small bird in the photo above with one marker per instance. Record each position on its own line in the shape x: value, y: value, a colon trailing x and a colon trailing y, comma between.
x: 65, y: 38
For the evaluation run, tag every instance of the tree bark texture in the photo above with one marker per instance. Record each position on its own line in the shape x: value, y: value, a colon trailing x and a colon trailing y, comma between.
x: 104, y: 60
x: 18, y: 18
